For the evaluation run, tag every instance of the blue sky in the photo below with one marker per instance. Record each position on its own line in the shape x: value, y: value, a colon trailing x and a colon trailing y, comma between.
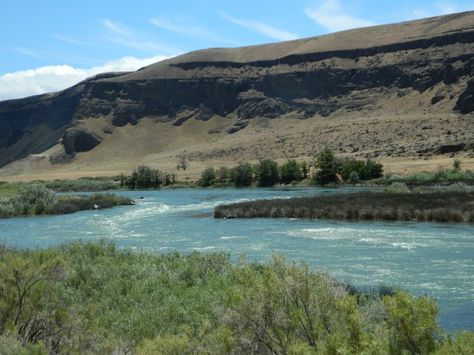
x: 50, y: 44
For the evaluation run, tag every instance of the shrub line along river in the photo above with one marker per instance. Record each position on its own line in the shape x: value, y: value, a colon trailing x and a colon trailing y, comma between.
x: 423, y: 258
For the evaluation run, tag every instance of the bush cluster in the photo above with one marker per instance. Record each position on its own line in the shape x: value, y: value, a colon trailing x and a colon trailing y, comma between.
x: 145, y: 177
x: 266, y: 173
x: 97, y: 299
x: 331, y: 169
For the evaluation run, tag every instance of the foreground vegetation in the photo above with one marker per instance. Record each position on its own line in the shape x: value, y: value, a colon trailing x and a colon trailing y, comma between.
x: 34, y: 200
x: 94, y: 298
x: 445, y: 206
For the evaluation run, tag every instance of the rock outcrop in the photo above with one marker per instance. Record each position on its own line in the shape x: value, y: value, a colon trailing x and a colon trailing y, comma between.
x: 350, y: 71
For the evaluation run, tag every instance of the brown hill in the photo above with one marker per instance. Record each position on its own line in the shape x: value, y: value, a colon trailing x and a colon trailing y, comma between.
x: 395, y: 92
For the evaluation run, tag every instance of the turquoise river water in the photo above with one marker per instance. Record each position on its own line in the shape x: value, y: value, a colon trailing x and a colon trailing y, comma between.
x: 423, y: 258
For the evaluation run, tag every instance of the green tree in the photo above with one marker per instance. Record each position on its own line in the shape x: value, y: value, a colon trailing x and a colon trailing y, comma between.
x: 328, y: 167
x: 208, y: 177
x: 266, y: 173
x: 290, y: 172
x: 243, y: 175
x: 145, y: 177
x: 223, y: 175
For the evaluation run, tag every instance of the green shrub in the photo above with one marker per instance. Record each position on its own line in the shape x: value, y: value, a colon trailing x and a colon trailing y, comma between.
x: 461, y: 343
x: 33, y: 199
x: 290, y: 172
x: 243, y: 175
x: 144, y: 177
x: 97, y: 299
x: 411, y: 323
x: 353, y: 177
x: 208, y: 177
x: 328, y: 166
x: 266, y: 173
x: 223, y: 176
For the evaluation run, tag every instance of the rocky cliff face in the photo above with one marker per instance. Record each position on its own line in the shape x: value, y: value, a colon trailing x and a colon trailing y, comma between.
x: 352, y: 71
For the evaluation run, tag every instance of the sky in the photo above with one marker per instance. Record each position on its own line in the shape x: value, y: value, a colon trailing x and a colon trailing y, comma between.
x: 49, y: 45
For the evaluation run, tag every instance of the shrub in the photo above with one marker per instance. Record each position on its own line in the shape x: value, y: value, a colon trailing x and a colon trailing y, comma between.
x: 144, y: 177
x: 243, y: 175
x: 366, y: 170
x: 98, y: 299
x: 290, y: 172
x: 223, y: 175
x: 353, y: 177
x: 328, y: 168
x: 266, y: 173
x: 33, y: 199
x: 411, y: 323
x: 208, y: 177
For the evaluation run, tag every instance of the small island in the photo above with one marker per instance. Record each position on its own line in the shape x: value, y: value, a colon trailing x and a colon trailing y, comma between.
x: 36, y: 199
x: 435, y: 206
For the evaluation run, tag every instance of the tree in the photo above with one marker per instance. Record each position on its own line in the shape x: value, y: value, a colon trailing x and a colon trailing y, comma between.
x: 208, y: 177
x: 328, y: 167
x: 223, y: 175
x: 182, y: 161
x: 243, y: 175
x: 144, y: 177
x: 290, y: 172
x: 266, y: 173
x: 366, y: 169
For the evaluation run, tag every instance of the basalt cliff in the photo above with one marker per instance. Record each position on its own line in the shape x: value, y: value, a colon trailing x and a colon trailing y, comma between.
x: 402, y: 91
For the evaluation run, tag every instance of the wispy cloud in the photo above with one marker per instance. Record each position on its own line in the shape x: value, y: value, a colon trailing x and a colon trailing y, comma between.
x: 126, y: 37
x: 260, y: 27
x: 30, y: 53
x: 58, y: 77
x: 187, y: 26
x: 116, y: 27
x: 333, y: 17
x: 71, y: 40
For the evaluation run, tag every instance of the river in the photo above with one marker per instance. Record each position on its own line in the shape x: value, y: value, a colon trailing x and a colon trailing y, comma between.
x: 423, y: 258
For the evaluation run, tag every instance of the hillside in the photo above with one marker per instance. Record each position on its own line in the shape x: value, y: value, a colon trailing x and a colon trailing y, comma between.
x: 400, y: 93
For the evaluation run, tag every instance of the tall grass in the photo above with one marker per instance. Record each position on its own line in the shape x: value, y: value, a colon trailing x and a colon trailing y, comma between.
x: 442, y: 176
x: 38, y: 200
x: 449, y: 206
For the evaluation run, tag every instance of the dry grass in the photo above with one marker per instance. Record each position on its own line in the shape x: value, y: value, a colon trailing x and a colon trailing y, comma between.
x: 436, y: 206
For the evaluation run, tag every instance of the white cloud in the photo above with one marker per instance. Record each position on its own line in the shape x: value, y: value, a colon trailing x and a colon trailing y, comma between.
x: 58, y: 77
x: 331, y: 16
x: 124, y: 36
x: 260, y: 27
x: 187, y: 26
